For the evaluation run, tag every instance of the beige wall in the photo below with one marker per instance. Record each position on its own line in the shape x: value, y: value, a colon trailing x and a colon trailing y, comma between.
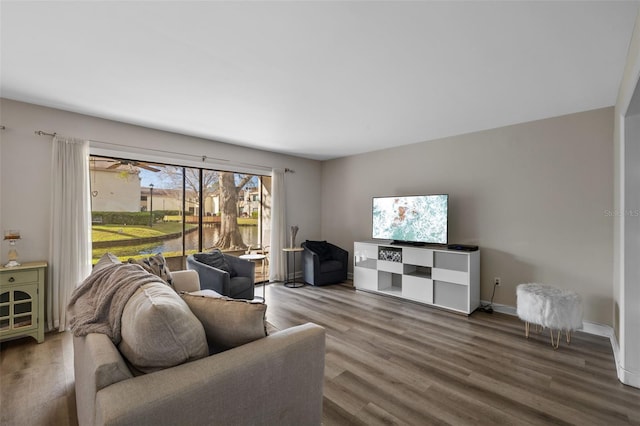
x: 533, y: 196
x: 25, y: 168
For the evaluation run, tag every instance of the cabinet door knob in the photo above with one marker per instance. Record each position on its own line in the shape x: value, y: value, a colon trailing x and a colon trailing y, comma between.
x: 11, y: 279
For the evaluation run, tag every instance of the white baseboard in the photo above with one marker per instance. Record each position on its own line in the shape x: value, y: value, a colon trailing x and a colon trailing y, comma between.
x: 625, y: 376
x: 587, y: 326
x: 628, y: 377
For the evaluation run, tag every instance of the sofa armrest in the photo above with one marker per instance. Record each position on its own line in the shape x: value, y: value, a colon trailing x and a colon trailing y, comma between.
x: 274, y: 380
x: 242, y: 267
x: 97, y: 364
x: 310, y: 265
x: 187, y: 280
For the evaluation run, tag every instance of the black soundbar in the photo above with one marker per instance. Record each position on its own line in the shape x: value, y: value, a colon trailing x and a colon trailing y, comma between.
x: 462, y: 247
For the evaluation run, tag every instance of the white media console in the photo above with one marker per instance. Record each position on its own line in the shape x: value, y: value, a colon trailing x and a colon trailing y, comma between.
x: 444, y: 278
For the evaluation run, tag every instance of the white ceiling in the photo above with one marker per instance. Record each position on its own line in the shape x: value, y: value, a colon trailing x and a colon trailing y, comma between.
x: 316, y: 79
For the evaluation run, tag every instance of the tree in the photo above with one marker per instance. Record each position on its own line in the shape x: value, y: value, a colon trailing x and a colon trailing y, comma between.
x: 173, y: 176
x: 230, y: 237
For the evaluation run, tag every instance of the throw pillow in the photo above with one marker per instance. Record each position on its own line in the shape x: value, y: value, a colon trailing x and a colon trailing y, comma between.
x: 216, y: 259
x: 106, y: 260
x: 157, y: 265
x: 320, y: 248
x: 159, y: 330
x: 228, y: 322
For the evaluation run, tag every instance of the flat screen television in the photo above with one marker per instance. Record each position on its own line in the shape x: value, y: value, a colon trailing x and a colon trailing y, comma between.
x: 418, y: 219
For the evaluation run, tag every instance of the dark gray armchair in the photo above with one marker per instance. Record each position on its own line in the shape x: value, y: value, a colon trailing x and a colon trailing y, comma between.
x: 324, y: 263
x: 224, y: 274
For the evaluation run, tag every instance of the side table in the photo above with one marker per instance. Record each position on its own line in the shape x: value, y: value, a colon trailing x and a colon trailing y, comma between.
x: 294, y: 283
x: 22, y: 300
x: 255, y: 258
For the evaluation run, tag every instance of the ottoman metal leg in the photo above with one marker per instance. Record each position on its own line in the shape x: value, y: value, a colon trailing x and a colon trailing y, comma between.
x: 555, y: 344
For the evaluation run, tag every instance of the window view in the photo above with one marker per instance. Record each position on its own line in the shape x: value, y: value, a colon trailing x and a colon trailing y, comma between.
x: 140, y: 208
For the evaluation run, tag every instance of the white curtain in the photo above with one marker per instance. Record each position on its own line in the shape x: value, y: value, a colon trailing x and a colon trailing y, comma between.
x: 70, y: 233
x: 278, y: 226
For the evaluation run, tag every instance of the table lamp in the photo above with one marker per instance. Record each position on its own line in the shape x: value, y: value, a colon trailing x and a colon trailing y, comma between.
x: 12, y: 235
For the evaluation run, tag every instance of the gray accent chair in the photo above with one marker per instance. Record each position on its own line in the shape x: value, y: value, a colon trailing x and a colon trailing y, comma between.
x: 324, y: 263
x: 240, y: 285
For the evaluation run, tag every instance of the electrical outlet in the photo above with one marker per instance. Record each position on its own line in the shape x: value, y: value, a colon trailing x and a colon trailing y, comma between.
x: 496, y: 280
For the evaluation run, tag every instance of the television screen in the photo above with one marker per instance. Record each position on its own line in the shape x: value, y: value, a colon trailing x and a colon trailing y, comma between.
x: 418, y: 219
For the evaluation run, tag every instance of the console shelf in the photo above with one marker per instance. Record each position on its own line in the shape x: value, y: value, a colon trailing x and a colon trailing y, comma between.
x: 444, y: 278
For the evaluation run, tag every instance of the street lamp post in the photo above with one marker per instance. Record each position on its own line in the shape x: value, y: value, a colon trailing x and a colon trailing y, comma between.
x: 151, y: 205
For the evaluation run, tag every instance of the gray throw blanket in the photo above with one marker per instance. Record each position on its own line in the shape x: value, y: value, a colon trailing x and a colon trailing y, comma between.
x: 96, y: 306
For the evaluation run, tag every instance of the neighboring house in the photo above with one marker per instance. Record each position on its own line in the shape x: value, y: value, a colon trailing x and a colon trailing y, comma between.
x: 171, y: 199
x: 248, y: 202
x: 163, y: 199
x: 114, y: 189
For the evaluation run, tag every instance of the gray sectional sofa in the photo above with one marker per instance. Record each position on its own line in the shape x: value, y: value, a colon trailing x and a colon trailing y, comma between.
x: 273, y: 380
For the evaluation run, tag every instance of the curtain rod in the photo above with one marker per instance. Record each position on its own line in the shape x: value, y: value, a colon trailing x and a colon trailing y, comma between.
x: 204, y: 158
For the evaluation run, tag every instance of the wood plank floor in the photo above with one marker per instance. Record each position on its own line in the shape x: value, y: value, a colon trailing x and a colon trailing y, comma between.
x: 394, y: 362
x: 36, y: 382
x: 387, y: 362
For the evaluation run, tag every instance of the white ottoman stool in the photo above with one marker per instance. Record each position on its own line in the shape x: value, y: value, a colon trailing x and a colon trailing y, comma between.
x: 550, y: 307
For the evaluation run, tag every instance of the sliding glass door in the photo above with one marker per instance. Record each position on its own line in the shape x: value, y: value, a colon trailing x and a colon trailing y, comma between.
x: 141, y: 208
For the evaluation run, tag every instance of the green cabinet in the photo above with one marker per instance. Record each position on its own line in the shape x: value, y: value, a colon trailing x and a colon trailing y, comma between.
x: 22, y: 301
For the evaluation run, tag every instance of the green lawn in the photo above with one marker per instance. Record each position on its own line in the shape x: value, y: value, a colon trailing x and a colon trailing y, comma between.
x: 117, y: 233
x: 131, y: 232
x: 125, y: 253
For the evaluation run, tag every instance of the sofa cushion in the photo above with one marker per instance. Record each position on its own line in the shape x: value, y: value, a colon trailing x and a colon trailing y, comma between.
x: 157, y: 265
x: 321, y: 248
x: 228, y: 322
x: 216, y: 259
x: 159, y: 330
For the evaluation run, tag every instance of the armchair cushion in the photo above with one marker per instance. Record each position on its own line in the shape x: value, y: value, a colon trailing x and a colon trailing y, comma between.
x: 228, y: 323
x: 216, y: 259
x: 330, y: 266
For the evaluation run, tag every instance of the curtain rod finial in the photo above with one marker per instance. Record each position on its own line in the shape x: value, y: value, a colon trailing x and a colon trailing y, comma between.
x: 41, y: 133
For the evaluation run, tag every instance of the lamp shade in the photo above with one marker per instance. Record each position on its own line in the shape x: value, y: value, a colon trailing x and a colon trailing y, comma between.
x: 11, y: 234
